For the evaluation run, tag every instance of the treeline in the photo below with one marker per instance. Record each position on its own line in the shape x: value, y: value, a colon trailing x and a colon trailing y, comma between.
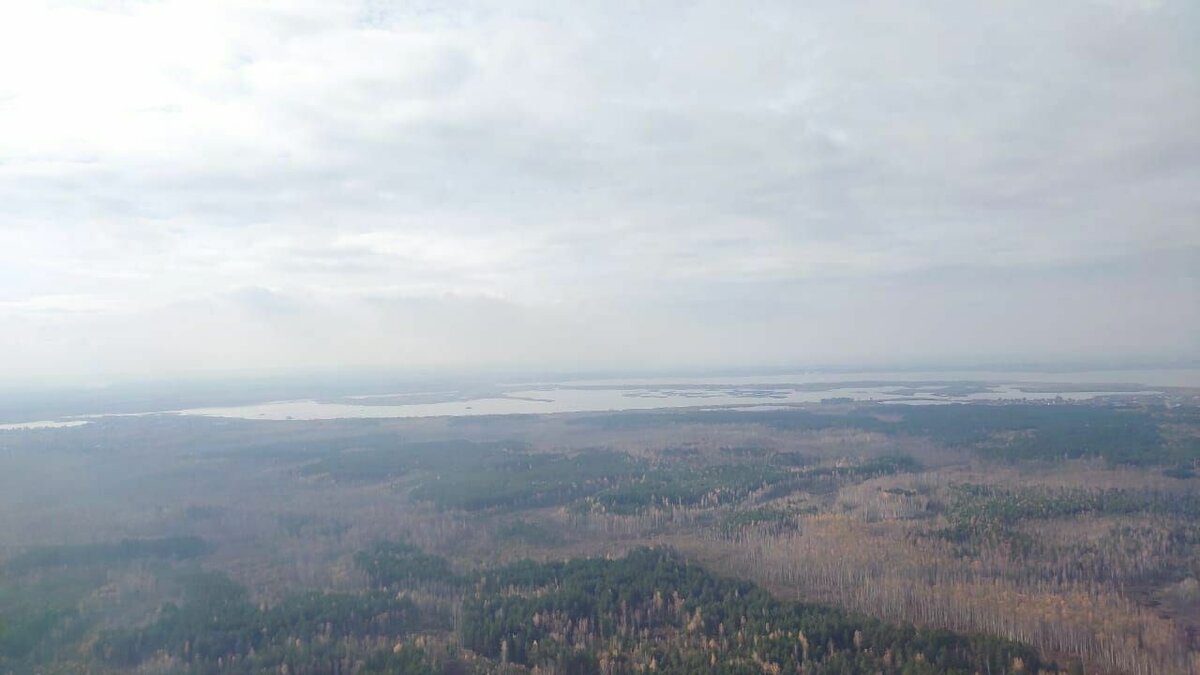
x: 43, y: 593
x: 216, y: 629
x: 1010, y: 431
x: 978, y: 514
x: 25, y: 627
x: 528, y: 480
x: 391, y: 564
x: 869, y: 468
x: 773, y: 518
x: 1067, y: 431
x: 682, y: 486
x: 106, y: 553
x: 613, y: 482
x: 652, y: 611
x: 525, y: 532
x: 385, y: 460
x: 973, y: 503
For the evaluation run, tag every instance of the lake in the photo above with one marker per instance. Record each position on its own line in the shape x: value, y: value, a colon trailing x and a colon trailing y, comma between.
x: 749, y: 391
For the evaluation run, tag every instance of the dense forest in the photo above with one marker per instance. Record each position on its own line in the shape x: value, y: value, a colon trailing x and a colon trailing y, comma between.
x: 833, y: 538
x: 648, y: 611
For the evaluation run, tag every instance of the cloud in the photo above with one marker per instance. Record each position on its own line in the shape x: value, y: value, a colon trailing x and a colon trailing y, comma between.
x: 642, y: 170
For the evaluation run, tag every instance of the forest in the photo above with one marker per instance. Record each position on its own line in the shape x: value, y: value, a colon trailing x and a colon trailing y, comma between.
x: 828, y: 538
x: 587, y: 615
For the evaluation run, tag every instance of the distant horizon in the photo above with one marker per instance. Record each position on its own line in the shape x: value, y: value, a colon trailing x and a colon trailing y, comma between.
x: 20, y: 404
x: 269, y: 187
x: 497, y: 373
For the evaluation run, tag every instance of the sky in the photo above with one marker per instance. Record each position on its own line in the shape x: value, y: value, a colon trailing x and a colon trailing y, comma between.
x: 188, y: 187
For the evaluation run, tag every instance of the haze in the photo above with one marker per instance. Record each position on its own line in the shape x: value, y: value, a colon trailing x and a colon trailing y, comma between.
x: 221, y: 185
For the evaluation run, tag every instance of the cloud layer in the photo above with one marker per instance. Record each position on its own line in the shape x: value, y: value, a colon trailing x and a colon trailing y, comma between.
x: 186, y: 185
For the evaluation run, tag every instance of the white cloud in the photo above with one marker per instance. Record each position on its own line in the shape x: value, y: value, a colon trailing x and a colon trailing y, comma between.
x: 652, y: 168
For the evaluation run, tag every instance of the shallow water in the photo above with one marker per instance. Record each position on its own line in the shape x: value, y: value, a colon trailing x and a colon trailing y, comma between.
x: 1160, y: 377
x: 46, y: 424
x: 744, y: 391
x: 561, y: 399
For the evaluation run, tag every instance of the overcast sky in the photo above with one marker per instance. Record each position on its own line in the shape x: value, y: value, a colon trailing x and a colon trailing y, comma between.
x: 234, y: 184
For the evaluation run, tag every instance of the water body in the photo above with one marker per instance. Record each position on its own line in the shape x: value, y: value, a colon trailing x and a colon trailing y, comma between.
x: 1154, y: 377
x: 601, y: 396
x: 740, y: 392
x: 46, y: 424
